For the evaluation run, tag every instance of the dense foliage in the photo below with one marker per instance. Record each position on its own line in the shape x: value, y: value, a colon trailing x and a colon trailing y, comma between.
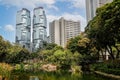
x: 111, y: 67
x: 12, y: 53
x: 104, y: 29
x: 5, y: 70
x: 83, y: 45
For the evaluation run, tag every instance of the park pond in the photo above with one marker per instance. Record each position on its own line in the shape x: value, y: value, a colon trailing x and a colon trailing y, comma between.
x: 55, y: 76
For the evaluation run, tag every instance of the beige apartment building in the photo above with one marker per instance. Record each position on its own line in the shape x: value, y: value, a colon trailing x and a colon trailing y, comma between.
x: 92, y: 5
x: 62, y: 30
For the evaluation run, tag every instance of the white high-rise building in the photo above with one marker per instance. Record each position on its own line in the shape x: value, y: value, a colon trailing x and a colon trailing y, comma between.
x: 23, y: 28
x: 39, y: 28
x: 92, y: 5
x: 62, y: 30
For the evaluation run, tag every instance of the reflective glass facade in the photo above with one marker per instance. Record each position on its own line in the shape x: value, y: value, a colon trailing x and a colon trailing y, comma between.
x: 39, y: 28
x: 23, y: 28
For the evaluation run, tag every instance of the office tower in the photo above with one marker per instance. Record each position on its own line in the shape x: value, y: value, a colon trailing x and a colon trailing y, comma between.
x: 92, y: 5
x: 62, y: 30
x: 39, y: 28
x: 23, y: 28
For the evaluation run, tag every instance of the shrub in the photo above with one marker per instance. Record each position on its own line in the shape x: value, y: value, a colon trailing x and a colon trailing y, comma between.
x: 5, y: 70
x: 111, y: 67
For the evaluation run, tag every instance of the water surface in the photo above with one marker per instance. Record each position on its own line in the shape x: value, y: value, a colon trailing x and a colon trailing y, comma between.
x: 56, y: 76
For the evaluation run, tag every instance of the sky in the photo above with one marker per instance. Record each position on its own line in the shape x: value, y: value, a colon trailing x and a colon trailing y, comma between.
x: 54, y: 9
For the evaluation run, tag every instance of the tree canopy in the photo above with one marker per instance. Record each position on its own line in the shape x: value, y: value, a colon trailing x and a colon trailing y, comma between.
x: 104, y: 29
x: 12, y: 53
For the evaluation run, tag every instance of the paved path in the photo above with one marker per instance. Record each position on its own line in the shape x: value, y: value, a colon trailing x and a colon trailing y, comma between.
x: 108, y: 75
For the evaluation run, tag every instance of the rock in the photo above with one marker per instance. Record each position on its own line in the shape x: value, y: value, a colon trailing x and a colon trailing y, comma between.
x: 49, y: 67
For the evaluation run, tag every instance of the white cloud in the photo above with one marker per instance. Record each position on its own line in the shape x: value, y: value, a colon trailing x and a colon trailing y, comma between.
x: 48, y: 1
x: 68, y: 16
x: 78, y: 3
x: 50, y: 18
x: 52, y: 7
x: 75, y: 3
x: 26, y: 3
x: 34, y: 3
x: 9, y: 28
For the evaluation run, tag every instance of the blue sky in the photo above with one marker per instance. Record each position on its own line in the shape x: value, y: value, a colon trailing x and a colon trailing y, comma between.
x: 69, y: 9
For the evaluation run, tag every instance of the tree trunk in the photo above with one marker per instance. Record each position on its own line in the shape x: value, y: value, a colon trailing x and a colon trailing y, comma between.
x: 109, y: 49
x: 118, y: 52
x: 106, y: 55
x: 102, y: 54
x: 3, y: 78
x: 98, y: 52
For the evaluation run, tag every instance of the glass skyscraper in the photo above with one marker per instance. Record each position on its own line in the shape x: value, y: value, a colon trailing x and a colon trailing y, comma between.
x: 39, y: 28
x: 23, y: 28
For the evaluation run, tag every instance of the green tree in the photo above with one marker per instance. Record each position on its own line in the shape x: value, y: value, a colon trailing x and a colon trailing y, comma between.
x: 85, y: 47
x: 104, y: 29
x: 4, y: 48
x: 62, y: 58
x: 50, y: 46
x: 19, y: 57
x: 72, y: 44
